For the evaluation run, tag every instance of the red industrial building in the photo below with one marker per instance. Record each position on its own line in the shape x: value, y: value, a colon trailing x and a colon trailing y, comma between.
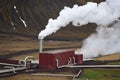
x: 57, y: 59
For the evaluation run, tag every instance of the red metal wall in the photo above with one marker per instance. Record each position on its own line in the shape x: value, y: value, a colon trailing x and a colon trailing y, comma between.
x: 79, y: 59
x: 48, y: 60
x: 64, y: 57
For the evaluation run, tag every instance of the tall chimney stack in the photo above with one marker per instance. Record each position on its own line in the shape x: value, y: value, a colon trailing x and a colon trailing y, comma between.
x: 40, y: 44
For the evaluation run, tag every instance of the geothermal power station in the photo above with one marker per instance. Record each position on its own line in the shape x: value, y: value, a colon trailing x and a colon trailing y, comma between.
x: 52, y: 60
x: 57, y: 59
x: 48, y: 61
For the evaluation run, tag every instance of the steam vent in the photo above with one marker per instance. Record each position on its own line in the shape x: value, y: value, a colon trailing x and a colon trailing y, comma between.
x: 53, y: 60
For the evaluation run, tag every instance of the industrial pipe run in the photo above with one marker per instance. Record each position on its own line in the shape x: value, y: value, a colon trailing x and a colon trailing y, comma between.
x: 85, y: 66
x: 93, y: 66
x: 22, y: 65
x: 58, y: 75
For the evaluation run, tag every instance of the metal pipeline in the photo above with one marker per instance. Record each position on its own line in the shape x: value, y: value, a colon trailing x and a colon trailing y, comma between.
x: 58, y: 75
x: 93, y: 66
x: 75, y: 76
x: 74, y: 60
x: 63, y: 66
x: 57, y: 64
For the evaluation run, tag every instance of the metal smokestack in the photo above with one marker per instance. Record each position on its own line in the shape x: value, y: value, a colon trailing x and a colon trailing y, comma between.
x: 40, y: 44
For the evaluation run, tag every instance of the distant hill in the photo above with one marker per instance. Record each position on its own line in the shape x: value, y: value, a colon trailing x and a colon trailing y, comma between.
x: 15, y: 14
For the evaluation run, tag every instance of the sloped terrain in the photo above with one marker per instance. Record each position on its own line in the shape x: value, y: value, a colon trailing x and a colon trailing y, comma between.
x: 16, y: 14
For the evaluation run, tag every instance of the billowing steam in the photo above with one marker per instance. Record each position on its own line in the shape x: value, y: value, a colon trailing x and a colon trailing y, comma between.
x: 104, y: 41
x: 102, y: 14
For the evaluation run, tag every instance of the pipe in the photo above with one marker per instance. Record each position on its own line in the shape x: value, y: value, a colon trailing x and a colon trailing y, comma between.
x: 40, y: 44
x: 13, y: 69
x: 7, y: 64
x: 74, y: 62
x: 93, y: 66
x: 69, y: 61
x: 58, y: 75
x: 22, y: 63
x: 77, y: 74
x: 28, y: 57
x: 63, y: 66
x: 57, y: 64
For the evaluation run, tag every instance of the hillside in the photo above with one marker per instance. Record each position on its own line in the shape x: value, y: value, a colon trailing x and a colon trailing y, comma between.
x: 29, y: 17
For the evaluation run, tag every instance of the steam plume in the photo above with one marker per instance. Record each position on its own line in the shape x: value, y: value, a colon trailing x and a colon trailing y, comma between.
x: 104, y: 41
x: 102, y: 14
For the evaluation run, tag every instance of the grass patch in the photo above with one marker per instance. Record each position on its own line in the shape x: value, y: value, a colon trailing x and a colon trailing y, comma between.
x: 114, y: 63
x: 101, y: 74
x: 30, y: 77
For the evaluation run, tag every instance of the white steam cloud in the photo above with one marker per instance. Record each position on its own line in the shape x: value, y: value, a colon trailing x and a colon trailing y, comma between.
x: 102, y: 14
x: 104, y: 41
